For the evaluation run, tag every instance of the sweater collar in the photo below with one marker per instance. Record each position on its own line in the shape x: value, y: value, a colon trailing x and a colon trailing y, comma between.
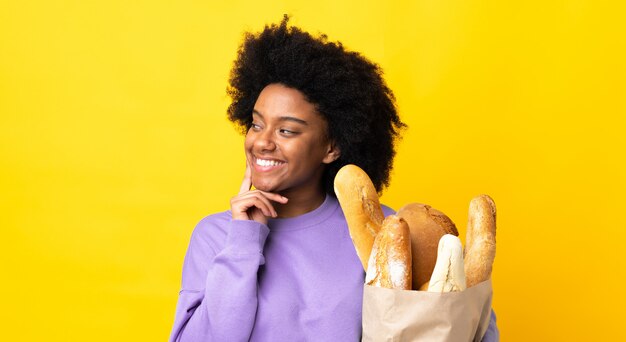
x: 312, y: 218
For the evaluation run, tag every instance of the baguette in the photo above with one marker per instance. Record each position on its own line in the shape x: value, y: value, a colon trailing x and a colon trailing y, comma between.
x: 480, y: 240
x: 390, y: 261
x: 448, y: 275
x: 361, y: 207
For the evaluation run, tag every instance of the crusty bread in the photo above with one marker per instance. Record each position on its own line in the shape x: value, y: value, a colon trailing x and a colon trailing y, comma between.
x: 448, y: 275
x: 361, y: 207
x: 427, y: 226
x: 390, y: 261
x: 480, y: 240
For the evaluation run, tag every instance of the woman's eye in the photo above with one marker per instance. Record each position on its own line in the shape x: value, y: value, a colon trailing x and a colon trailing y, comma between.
x: 254, y: 126
x: 286, y: 131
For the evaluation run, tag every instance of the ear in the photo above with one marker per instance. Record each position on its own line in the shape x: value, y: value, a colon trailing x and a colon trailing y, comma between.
x: 332, y: 153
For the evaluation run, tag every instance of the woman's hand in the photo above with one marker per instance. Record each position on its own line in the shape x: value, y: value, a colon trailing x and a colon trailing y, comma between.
x: 256, y: 204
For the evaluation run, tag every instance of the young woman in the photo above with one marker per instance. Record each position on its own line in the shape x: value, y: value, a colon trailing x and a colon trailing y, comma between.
x: 280, y: 264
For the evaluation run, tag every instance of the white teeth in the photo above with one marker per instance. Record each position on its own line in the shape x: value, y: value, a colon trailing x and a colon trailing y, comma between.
x: 264, y: 162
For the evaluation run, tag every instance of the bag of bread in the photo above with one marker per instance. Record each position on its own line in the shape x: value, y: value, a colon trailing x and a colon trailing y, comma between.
x: 450, y: 298
x: 407, y: 315
x: 420, y: 284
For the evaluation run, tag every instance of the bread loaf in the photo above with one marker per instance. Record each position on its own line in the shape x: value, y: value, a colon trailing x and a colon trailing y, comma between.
x: 480, y: 240
x: 390, y: 261
x: 361, y: 207
x: 448, y: 275
x: 427, y: 225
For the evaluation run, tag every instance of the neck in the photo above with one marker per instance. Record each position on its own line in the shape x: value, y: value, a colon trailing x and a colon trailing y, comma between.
x: 299, y: 203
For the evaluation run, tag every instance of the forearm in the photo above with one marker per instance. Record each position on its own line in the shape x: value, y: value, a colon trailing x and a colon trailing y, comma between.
x: 227, y: 308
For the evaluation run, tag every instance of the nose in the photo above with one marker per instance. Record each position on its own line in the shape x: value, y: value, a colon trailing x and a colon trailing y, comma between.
x: 265, y: 141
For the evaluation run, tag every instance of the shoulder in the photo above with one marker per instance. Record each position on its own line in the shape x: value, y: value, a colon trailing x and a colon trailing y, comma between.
x: 387, y: 210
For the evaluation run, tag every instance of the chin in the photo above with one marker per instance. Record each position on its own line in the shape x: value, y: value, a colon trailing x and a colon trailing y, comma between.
x: 265, y: 187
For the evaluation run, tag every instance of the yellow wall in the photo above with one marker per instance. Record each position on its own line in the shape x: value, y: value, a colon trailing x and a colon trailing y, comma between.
x: 114, y: 144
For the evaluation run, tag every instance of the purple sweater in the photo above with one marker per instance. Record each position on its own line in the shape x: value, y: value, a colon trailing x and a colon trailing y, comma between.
x: 294, y: 279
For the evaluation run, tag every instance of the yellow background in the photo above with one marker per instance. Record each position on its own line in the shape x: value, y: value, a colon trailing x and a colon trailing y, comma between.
x: 114, y: 144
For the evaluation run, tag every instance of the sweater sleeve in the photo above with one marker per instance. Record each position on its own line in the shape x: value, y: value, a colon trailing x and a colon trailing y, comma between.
x: 492, y: 334
x: 218, y: 299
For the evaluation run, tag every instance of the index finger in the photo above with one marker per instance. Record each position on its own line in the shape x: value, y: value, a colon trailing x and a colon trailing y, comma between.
x: 247, y: 180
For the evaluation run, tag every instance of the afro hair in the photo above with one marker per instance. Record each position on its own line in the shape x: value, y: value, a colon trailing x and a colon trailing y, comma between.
x: 346, y: 88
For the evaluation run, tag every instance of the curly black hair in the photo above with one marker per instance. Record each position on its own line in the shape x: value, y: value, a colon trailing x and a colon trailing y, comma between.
x: 346, y: 88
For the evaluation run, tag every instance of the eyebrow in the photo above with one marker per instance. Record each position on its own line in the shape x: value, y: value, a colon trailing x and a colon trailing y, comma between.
x: 283, y: 118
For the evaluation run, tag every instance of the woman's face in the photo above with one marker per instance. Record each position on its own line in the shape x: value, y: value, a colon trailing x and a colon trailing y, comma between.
x: 287, y: 145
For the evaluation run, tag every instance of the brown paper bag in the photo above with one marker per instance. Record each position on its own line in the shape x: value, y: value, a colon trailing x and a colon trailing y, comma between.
x: 401, y: 315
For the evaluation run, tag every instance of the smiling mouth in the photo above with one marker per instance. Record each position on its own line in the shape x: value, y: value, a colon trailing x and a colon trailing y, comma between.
x: 263, y: 165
